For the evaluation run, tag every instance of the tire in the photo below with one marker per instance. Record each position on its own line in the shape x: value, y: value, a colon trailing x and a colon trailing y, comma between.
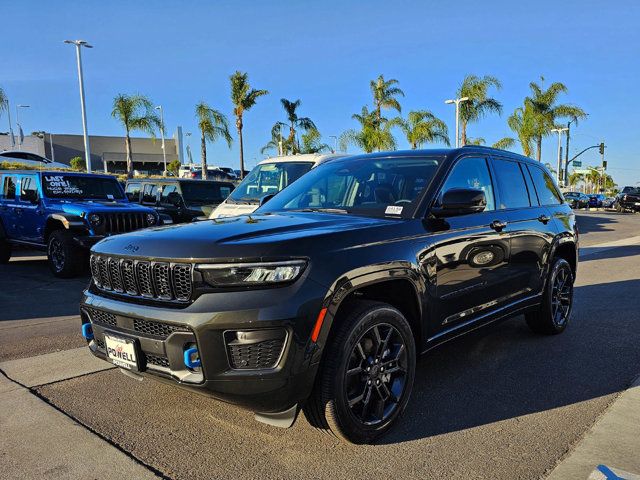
x: 555, y: 310
x: 65, y: 258
x: 351, y: 348
x: 5, y: 251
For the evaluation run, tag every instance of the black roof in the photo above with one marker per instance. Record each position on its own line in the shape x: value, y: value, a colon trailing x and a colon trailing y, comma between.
x: 443, y: 152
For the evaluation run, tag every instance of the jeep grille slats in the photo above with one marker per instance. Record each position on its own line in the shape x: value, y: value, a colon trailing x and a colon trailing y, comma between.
x: 141, y: 278
x: 124, y: 222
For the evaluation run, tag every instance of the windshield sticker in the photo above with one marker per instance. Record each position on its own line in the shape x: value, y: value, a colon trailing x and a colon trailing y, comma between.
x: 57, y: 185
x: 393, y: 210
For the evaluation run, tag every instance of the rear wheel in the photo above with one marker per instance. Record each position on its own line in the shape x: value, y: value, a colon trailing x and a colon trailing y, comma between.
x: 5, y: 250
x: 555, y: 310
x: 367, y: 374
x: 64, y: 256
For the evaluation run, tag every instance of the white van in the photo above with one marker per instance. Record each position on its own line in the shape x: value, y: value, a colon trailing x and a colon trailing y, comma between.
x: 268, y: 177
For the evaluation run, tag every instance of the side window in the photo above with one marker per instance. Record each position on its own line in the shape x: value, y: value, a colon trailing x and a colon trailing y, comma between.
x: 471, y: 173
x: 28, y: 189
x: 532, y: 191
x: 513, y: 189
x: 166, y: 191
x: 133, y: 192
x: 545, y: 186
x: 149, y: 193
x: 9, y: 187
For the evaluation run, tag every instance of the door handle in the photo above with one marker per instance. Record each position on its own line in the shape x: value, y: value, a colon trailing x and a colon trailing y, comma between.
x: 498, y: 225
x: 544, y: 219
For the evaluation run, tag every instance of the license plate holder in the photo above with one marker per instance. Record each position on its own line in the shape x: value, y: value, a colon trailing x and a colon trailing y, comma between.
x: 122, y: 351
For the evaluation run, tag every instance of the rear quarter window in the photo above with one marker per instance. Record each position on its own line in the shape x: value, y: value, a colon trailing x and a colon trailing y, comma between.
x: 545, y: 186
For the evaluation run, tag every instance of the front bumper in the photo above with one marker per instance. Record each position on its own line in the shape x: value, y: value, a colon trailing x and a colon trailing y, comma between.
x: 162, y: 334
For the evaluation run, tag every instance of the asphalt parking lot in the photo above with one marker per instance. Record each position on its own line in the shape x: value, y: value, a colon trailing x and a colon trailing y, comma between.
x: 501, y: 403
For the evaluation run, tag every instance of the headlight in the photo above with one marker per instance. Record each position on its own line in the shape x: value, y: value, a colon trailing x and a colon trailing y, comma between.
x: 247, y: 274
x: 151, y: 219
x: 95, y: 219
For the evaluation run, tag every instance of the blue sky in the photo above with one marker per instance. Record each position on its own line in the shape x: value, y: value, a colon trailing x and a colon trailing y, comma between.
x: 325, y: 53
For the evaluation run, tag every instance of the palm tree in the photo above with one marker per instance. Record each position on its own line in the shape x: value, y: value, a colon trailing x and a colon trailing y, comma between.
x: 213, y: 125
x: 135, y: 112
x: 522, y: 122
x: 504, y: 143
x: 295, y: 123
x: 372, y: 134
x: 546, y: 112
x: 479, y: 104
x: 422, y: 127
x: 575, y: 178
x: 384, y: 96
x: 312, y: 142
x: 243, y: 97
x: 4, y: 100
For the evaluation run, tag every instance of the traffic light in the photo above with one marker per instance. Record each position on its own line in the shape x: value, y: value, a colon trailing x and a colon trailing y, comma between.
x: 602, y: 148
x: 604, y: 164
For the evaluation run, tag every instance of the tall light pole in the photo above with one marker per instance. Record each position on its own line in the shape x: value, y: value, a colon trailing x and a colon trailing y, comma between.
x: 164, y: 153
x: 559, y: 132
x: 335, y: 143
x: 13, y: 140
x: 87, y: 152
x: 20, y: 132
x: 457, y: 102
x: 188, y: 134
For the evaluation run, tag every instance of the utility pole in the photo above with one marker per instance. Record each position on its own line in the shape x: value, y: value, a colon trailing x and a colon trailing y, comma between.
x: 560, y: 169
x: 20, y: 131
x: 13, y: 139
x: 87, y: 151
x: 53, y: 152
x: 457, y: 102
x: 164, y: 153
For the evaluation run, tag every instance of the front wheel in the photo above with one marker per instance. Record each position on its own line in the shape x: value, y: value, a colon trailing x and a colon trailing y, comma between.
x: 5, y: 251
x: 367, y: 373
x: 64, y: 256
x: 555, y: 310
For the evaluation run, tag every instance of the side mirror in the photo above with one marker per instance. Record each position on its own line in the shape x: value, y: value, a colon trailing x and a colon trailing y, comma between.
x: 460, y: 201
x: 266, y: 198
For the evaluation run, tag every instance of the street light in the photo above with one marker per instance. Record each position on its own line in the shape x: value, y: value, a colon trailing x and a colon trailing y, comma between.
x: 188, y: 134
x: 164, y: 153
x: 20, y: 132
x: 87, y: 152
x: 335, y: 141
x: 559, y: 131
x: 457, y: 102
x: 566, y: 156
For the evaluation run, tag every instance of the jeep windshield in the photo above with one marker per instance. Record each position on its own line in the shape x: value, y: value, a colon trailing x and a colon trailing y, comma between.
x: 81, y: 187
x: 203, y: 193
x: 268, y: 178
x: 370, y: 187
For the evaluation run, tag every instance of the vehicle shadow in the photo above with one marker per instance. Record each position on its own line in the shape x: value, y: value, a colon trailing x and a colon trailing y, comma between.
x: 29, y: 290
x: 506, y: 371
x: 588, y: 223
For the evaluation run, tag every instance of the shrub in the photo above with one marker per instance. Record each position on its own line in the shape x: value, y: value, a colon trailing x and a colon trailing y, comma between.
x: 78, y: 164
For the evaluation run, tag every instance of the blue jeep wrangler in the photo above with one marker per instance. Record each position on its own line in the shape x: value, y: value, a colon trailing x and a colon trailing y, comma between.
x: 64, y: 213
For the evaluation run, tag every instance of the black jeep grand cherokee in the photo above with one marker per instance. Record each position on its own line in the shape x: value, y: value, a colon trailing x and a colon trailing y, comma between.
x: 324, y: 297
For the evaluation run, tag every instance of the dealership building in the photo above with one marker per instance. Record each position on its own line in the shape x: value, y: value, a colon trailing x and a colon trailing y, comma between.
x: 107, y: 153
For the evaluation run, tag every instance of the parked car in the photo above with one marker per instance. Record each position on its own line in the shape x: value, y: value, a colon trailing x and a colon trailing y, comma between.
x: 29, y: 159
x: 595, y: 200
x: 629, y: 200
x: 64, y: 214
x: 265, y: 180
x: 181, y: 199
x: 324, y: 297
x: 213, y: 173
x: 577, y: 200
x: 609, y: 202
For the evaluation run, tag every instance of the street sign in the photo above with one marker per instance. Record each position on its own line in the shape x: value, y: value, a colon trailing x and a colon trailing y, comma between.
x: 577, y: 163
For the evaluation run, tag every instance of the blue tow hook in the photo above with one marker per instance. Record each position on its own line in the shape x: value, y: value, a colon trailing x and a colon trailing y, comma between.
x: 189, y: 361
x: 87, y: 331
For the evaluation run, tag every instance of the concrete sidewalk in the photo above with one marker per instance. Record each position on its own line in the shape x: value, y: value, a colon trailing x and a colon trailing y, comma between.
x: 38, y: 441
x: 611, y: 449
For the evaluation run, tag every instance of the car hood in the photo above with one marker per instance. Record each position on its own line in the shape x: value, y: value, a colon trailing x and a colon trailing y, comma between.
x: 251, y: 236
x: 226, y: 209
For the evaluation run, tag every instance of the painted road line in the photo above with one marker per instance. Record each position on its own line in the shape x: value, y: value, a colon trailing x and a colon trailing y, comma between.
x: 53, y: 367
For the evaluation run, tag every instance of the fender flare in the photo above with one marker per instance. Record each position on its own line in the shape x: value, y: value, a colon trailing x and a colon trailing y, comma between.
x: 68, y: 221
x: 364, y: 277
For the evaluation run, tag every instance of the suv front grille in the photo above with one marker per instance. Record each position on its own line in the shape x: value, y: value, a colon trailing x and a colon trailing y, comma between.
x: 124, y: 222
x: 140, y: 278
